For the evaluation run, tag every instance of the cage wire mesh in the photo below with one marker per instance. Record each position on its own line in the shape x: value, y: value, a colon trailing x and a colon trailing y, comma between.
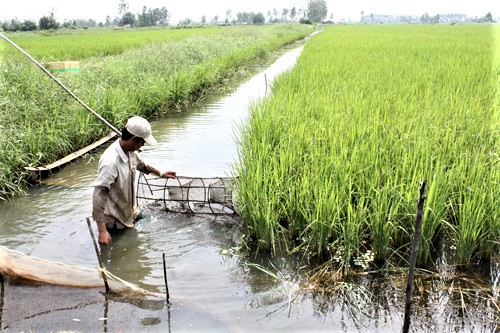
x: 187, y: 194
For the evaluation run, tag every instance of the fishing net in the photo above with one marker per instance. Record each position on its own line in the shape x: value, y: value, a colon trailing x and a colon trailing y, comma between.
x: 37, y: 295
x: 18, y: 266
x: 187, y: 194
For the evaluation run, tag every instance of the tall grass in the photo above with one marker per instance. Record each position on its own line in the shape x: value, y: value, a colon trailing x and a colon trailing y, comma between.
x: 40, y: 123
x: 334, y: 158
x: 62, y: 45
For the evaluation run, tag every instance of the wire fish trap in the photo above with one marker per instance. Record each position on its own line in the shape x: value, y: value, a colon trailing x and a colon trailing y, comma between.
x: 187, y: 194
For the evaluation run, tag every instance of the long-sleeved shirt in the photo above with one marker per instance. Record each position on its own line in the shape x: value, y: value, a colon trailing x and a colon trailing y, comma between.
x: 114, y: 198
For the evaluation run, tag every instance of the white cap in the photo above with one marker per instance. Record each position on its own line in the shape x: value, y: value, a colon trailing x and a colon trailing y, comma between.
x: 141, y: 128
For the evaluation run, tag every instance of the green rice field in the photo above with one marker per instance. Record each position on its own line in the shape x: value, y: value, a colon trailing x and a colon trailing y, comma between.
x: 331, y: 162
x: 83, y: 44
x: 121, y: 73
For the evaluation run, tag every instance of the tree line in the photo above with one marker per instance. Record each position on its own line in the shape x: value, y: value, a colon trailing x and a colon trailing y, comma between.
x: 148, y: 17
x: 315, y: 12
x: 424, y: 18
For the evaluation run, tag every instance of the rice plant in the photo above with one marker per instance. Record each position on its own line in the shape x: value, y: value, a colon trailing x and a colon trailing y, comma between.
x: 337, y: 153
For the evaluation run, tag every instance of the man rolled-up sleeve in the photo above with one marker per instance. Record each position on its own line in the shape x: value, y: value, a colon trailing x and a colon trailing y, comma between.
x: 99, y: 200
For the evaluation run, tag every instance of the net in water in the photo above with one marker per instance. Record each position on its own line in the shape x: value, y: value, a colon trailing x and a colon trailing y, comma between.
x: 19, y: 266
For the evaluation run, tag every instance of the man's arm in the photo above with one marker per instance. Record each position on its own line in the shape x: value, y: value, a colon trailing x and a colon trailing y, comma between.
x: 147, y: 169
x: 99, y: 200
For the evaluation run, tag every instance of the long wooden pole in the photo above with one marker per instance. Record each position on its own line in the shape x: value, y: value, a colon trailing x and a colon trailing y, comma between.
x: 413, y: 257
x: 98, y: 116
x: 165, y: 276
x: 2, y: 291
x: 98, y: 255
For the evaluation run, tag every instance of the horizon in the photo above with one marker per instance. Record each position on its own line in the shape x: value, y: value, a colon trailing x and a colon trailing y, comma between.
x: 65, y: 10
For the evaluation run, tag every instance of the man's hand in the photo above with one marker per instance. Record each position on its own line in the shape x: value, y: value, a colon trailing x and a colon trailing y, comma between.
x: 168, y: 174
x: 104, y: 236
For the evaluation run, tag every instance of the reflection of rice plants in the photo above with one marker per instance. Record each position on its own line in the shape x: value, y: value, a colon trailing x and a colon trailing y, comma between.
x: 334, y: 158
x: 144, y: 73
x: 452, y: 302
x: 286, y: 290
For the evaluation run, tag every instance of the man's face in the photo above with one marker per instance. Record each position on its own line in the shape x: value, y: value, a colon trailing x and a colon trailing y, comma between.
x: 137, y: 143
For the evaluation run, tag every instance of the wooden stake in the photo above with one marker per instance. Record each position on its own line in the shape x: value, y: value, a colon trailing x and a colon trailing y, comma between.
x: 413, y: 258
x: 98, y: 255
x: 2, y: 296
x: 165, y: 275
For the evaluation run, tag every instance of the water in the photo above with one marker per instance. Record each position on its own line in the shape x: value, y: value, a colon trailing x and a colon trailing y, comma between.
x: 202, y: 252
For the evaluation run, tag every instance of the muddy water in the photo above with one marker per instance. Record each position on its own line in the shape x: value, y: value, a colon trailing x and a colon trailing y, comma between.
x: 202, y: 251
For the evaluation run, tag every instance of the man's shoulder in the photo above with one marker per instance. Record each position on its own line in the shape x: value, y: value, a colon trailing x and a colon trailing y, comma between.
x: 111, y: 152
x: 109, y: 157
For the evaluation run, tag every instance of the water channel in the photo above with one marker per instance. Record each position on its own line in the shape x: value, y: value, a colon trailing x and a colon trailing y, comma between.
x: 204, y: 267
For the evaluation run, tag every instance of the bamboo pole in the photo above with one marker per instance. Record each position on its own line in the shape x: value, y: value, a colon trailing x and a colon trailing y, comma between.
x: 413, y: 257
x: 2, y: 292
x: 98, y: 255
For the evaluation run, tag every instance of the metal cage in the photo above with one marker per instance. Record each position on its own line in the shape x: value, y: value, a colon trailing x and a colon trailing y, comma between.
x: 187, y: 194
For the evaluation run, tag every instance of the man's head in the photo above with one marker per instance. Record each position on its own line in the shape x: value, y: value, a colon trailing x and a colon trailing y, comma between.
x: 140, y: 128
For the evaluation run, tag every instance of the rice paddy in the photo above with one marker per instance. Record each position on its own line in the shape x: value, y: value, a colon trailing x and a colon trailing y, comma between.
x: 122, y: 73
x: 331, y: 162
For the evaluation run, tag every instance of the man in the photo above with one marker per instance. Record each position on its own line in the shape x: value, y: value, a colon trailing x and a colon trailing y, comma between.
x: 114, y: 201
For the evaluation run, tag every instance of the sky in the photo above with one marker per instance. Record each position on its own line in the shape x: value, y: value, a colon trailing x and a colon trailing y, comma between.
x: 348, y: 10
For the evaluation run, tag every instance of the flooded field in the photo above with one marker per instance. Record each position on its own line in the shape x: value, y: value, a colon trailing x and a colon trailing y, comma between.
x: 215, y: 283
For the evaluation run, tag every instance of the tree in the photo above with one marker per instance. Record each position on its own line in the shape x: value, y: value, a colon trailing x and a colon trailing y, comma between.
x: 425, y: 18
x: 228, y: 15
x: 127, y: 19
x: 301, y: 13
x: 144, y: 19
x: 275, y: 14
x: 284, y: 14
x: 48, y: 22
x: 304, y: 20
x: 316, y: 10
x: 293, y: 12
x: 123, y: 7
x: 258, y: 18
x: 184, y: 23
x: 15, y: 25
x: 161, y: 16
x: 153, y: 17
x: 487, y: 18
x: 28, y: 25
x: 242, y: 17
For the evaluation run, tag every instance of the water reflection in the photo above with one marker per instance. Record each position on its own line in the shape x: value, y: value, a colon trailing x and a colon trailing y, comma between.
x: 126, y: 256
x: 201, y: 143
